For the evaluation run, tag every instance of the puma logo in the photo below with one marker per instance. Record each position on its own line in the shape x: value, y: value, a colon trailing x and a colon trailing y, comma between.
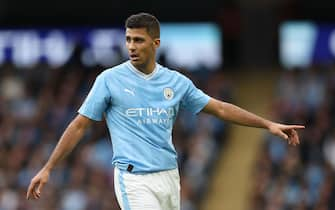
x: 129, y: 91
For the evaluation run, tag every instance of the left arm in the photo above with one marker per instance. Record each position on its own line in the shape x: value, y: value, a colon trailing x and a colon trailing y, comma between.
x: 235, y: 114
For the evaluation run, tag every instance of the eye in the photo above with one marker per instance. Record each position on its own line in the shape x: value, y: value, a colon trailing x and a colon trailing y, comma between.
x: 138, y: 40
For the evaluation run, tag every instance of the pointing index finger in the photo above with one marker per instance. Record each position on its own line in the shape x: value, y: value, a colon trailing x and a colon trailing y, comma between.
x: 30, y: 190
x: 296, y: 126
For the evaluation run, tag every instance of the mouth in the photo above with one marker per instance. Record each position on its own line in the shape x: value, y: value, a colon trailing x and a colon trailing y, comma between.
x: 134, y: 57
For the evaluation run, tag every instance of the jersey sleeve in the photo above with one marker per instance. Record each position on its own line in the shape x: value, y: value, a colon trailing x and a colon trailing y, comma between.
x: 97, y: 100
x: 194, y: 99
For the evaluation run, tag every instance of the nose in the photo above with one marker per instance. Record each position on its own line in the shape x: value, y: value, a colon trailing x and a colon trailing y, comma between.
x: 131, y: 46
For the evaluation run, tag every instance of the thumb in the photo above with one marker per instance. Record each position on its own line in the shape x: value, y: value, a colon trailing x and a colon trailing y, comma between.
x: 283, y: 135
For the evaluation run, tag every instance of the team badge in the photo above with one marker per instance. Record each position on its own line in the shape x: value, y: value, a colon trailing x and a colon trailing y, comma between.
x: 168, y: 93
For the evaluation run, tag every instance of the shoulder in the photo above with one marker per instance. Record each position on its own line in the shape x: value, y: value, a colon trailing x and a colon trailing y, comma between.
x: 175, y: 74
x: 113, y: 71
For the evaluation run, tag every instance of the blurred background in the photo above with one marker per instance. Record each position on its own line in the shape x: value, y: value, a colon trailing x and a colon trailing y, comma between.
x: 274, y: 58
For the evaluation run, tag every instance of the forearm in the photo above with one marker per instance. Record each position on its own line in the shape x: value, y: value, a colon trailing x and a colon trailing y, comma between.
x: 235, y: 114
x: 70, y: 138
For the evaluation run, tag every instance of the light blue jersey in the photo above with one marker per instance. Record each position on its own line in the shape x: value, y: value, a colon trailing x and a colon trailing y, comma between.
x: 140, y: 111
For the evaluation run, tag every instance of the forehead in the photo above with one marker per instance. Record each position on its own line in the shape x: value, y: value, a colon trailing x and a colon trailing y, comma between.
x: 137, y: 32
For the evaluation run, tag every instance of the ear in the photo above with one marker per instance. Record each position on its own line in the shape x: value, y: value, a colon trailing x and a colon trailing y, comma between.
x: 157, y: 43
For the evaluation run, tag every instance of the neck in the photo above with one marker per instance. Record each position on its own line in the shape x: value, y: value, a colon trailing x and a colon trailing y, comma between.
x: 147, y: 68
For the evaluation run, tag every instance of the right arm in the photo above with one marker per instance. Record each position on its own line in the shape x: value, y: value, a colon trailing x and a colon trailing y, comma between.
x: 70, y: 138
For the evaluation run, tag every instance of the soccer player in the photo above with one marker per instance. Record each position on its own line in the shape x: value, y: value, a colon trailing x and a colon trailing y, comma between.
x: 140, y: 100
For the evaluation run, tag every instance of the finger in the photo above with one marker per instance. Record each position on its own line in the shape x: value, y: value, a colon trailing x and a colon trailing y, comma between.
x: 295, y: 126
x: 36, y: 196
x: 40, y: 187
x: 292, y: 142
x: 30, y: 189
x: 290, y: 138
x: 294, y: 137
x: 32, y: 194
x: 283, y: 135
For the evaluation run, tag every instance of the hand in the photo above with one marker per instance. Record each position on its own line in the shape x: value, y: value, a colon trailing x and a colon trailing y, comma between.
x: 37, y: 183
x: 287, y: 132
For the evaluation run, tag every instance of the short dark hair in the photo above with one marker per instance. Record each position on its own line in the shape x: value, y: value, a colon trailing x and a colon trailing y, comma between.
x: 144, y: 20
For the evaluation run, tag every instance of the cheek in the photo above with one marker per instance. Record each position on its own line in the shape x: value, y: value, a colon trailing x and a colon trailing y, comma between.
x: 146, y: 50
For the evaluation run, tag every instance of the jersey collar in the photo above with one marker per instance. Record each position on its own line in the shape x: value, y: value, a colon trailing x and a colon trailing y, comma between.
x: 141, y: 74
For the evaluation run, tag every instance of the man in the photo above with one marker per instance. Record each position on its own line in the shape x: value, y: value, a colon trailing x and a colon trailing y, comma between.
x: 140, y: 100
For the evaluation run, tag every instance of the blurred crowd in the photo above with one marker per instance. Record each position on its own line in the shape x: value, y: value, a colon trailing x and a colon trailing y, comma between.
x: 36, y: 105
x: 302, y: 177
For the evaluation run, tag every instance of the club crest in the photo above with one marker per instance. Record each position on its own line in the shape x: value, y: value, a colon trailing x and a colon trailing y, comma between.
x: 168, y: 93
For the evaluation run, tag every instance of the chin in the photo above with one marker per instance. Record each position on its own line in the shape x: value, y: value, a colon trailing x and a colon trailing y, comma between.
x: 136, y: 62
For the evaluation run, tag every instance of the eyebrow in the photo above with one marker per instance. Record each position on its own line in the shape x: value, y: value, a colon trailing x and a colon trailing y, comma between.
x: 135, y: 37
